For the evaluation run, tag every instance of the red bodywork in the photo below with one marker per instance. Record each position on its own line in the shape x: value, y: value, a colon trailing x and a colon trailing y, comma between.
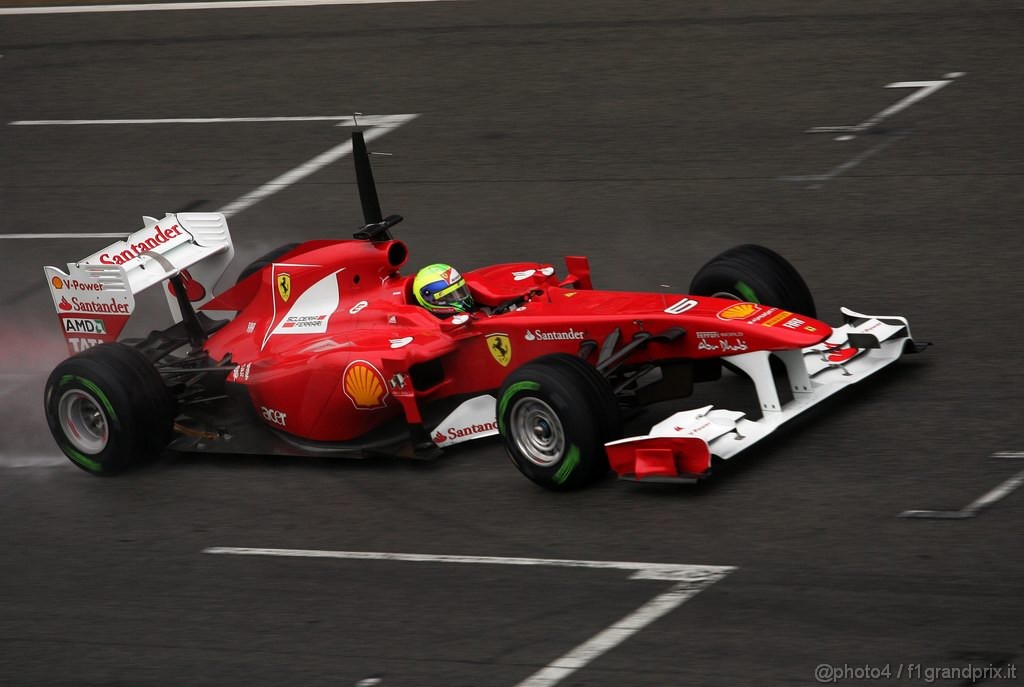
x: 329, y: 339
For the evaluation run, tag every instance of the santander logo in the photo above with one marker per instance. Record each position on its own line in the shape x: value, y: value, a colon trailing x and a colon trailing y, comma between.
x: 157, y: 238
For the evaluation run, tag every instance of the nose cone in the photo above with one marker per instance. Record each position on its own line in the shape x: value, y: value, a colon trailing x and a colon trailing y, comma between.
x: 774, y: 327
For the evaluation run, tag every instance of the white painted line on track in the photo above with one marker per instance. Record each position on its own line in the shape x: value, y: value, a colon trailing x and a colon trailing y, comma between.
x: 121, y: 235
x: 690, y: 580
x: 15, y: 462
x: 924, y: 89
x: 376, y: 126
x: 385, y: 124
x: 979, y: 504
x: 608, y: 639
x: 848, y: 165
x: 171, y: 6
x: 367, y: 120
x: 641, y: 571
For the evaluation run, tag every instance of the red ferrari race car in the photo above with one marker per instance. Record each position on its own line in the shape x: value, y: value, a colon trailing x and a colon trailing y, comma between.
x: 332, y: 351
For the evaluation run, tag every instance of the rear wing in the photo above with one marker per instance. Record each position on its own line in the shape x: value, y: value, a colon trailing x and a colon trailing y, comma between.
x: 96, y: 296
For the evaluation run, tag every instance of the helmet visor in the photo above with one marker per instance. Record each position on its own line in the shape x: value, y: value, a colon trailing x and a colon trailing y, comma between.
x: 456, y: 296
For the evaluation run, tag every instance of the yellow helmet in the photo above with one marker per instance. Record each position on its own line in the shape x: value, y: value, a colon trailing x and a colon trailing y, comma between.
x: 441, y: 289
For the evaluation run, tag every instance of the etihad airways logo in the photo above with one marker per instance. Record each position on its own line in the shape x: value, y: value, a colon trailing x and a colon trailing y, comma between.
x: 156, y: 238
x: 569, y: 334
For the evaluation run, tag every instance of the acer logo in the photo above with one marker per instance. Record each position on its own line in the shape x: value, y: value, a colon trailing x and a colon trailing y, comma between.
x: 275, y: 416
x: 158, y: 238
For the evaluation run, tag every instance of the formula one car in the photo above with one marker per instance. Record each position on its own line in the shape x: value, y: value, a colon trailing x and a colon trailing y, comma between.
x: 329, y: 353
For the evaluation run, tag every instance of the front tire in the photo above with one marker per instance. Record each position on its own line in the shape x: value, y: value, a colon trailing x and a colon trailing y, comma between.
x: 555, y: 414
x: 757, y: 275
x: 108, y: 409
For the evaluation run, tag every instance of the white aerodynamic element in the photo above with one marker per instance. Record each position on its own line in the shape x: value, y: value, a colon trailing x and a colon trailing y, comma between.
x: 311, y: 313
x: 473, y: 419
x: 854, y: 351
x: 105, y: 283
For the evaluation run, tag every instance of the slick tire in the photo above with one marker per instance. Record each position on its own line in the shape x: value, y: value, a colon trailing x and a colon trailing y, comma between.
x: 555, y: 414
x: 265, y: 261
x: 108, y: 409
x: 757, y: 275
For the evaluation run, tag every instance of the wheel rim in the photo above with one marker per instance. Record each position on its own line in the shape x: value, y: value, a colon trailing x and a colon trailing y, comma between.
x: 83, y: 421
x: 537, y: 432
x: 726, y: 294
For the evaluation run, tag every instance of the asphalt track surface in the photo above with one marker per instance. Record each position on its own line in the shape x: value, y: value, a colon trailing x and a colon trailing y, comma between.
x: 650, y: 136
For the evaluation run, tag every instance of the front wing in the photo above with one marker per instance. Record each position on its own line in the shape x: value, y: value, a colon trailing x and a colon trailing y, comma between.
x: 680, y: 448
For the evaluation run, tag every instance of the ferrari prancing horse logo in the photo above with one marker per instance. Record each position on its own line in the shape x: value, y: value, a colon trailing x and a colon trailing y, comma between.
x: 500, y: 347
x: 284, y: 286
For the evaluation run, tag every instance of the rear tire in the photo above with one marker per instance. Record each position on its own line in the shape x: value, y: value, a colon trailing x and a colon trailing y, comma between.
x: 265, y: 261
x: 555, y: 414
x: 757, y: 275
x: 108, y: 409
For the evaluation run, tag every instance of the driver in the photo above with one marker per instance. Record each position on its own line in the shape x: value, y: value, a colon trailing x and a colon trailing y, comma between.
x: 441, y: 289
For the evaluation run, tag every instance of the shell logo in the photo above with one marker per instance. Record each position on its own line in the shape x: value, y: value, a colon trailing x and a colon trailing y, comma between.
x: 57, y: 282
x: 364, y: 385
x: 740, y: 311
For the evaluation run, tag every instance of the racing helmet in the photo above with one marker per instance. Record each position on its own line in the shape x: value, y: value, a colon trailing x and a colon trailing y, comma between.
x: 441, y: 289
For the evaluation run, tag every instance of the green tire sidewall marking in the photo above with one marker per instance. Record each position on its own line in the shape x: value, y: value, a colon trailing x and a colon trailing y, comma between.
x: 87, y: 463
x: 65, y: 379
x: 509, y: 393
x: 747, y: 292
x: 99, y: 394
x: 572, y: 459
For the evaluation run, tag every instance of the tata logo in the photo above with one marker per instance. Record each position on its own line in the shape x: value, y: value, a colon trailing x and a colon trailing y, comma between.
x: 284, y: 286
x: 80, y: 344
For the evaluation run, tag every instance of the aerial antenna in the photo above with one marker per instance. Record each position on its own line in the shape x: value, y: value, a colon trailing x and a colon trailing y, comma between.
x: 376, y: 227
x: 364, y: 178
